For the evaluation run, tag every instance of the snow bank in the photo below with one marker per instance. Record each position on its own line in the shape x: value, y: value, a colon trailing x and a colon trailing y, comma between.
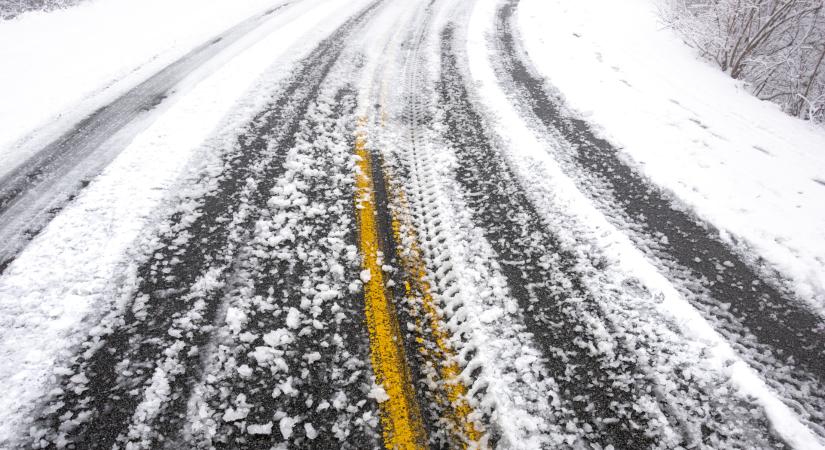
x: 740, y: 163
x: 59, y: 66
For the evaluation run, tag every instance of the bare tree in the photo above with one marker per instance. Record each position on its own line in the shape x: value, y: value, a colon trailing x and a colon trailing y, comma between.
x: 10, y: 9
x: 776, y: 46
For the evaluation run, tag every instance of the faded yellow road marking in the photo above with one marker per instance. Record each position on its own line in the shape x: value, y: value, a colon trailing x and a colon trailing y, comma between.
x: 400, y: 413
x: 418, y: 290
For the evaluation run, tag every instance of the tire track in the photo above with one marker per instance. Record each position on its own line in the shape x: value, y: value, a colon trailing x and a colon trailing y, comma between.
x: 768, y: 327
x: 155, y: 344
x: 440, y: 389
x: 601, y: 390
x: 493, y: 356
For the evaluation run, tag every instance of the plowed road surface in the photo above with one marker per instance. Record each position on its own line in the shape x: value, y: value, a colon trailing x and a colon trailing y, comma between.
x: 378, y: 249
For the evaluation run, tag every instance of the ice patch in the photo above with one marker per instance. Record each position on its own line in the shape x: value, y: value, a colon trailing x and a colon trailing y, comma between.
x: 293, y: 318
x: 378, y: 393
x: 311, y: 432
x: 279, y: 338
x: 491, y: 315
x: 235, y: 319
x: 265, y: 428
x: 365, y: 275
x: 245, y: 371
x: 239, y: 412
x: 285, y: 425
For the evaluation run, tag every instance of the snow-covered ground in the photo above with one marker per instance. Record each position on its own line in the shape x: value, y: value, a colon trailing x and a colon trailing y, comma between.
x: 61, y: 65
x: 739, y: 163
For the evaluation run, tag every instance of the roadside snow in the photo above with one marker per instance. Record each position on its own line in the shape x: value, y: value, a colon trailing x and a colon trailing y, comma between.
x: 740, y: 163
x: 59, y: 66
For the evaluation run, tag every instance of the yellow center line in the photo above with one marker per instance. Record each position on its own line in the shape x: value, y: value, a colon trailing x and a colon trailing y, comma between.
x: 400, y: 413
x: 389, y: 360
x: 418, y: 290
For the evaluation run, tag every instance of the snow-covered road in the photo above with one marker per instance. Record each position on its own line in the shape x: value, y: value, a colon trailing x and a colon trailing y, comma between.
x: 32, y: 192
x: 377, y: 224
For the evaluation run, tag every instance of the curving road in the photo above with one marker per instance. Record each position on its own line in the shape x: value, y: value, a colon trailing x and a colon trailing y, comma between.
x: 368, y: 261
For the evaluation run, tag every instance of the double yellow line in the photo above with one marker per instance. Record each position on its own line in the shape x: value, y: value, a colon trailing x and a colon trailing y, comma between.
x: 400, y: 413
x: 417, y: 289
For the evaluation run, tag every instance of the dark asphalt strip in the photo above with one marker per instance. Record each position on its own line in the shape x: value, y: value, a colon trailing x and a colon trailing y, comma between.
x: 340, y: 340
x: 723, y: 285
x: 137, y: 342
x: 601, y: 390
x: 417, y: 342
x: 83, y: 144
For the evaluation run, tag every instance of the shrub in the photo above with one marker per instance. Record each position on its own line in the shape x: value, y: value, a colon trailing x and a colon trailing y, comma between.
x: 776, y: 46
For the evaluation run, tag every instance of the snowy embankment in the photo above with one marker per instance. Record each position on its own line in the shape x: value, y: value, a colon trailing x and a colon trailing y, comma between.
x: 77, y: 268
x: 64, y: 64
x: 739, y: 163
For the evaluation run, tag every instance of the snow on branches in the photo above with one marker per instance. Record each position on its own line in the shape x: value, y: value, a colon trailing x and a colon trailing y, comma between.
x: 776, y: 46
